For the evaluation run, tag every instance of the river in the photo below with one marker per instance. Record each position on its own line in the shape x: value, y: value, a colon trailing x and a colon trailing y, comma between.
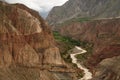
x: 87, y: 73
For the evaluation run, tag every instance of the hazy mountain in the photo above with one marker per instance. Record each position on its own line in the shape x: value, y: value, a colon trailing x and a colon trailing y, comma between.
x: 84, y: 9
x: 43, y: 14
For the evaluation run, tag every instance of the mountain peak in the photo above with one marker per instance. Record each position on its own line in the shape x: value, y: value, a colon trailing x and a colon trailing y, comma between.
x: 84, y: 9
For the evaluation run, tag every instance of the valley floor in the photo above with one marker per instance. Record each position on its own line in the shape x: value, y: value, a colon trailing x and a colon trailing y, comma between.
x: 87, y: 73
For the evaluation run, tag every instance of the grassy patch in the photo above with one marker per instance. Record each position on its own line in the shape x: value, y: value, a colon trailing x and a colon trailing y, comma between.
x: 89, y: 48
x: 65, y: 39
x: 67, y: 43
x: 83, y: 19
x: 68, y: 22
x: 80, y: 75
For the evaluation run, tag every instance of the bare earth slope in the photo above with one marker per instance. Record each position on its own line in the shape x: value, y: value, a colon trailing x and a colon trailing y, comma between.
x: 27, y: 47
x: 105, y: 35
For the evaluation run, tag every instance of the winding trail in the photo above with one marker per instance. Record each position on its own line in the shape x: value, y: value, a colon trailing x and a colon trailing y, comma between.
x: 87, y: 74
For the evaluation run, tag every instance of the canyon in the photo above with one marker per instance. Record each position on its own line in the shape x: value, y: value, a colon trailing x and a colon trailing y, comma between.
x: 28, y: 50
x: 104, y: 35
x: 96, y: 25
x: 87, y: 74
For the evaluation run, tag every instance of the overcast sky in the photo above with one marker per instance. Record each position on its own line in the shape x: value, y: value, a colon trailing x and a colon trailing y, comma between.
x: 39, y: 5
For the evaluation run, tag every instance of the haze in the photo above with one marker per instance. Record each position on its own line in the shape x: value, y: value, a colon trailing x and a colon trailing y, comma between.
x: 42, y: 6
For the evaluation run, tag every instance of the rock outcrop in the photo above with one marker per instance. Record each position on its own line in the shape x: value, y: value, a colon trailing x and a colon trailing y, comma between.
x: 105, y: 35
x: 27, y: 47
x: 96, y: 22
x: 84, y: 9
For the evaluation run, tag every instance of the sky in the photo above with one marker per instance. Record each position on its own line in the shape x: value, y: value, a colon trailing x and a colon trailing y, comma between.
x: 42, y: 6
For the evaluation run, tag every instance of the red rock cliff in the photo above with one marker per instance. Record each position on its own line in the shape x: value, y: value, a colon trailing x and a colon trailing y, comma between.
x: 105, y: 35
x: 27, y: 47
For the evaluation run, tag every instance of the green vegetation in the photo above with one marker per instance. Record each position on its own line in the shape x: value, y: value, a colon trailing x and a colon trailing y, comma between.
x: 67, y: 43
x: 83, y: 19
x: 80, y: 75
x: 68, y: 22
x: 89, y: 48
x: 66, y: 39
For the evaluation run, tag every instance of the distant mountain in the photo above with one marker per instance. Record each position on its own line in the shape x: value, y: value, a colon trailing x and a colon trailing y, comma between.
x: 84, y: 9
x: 43, y: 14
x: 2, y: 0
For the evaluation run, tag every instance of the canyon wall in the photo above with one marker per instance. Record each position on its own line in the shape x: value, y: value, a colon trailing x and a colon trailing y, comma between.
x: 27, y: 48
x: 105, y: 36
x: 96, y: 22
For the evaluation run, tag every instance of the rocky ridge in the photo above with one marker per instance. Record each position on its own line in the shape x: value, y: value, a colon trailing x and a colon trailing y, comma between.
x: 27, y: 48
x: 105, y: 35
x: 73, y: 9
x: 96, y: 22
